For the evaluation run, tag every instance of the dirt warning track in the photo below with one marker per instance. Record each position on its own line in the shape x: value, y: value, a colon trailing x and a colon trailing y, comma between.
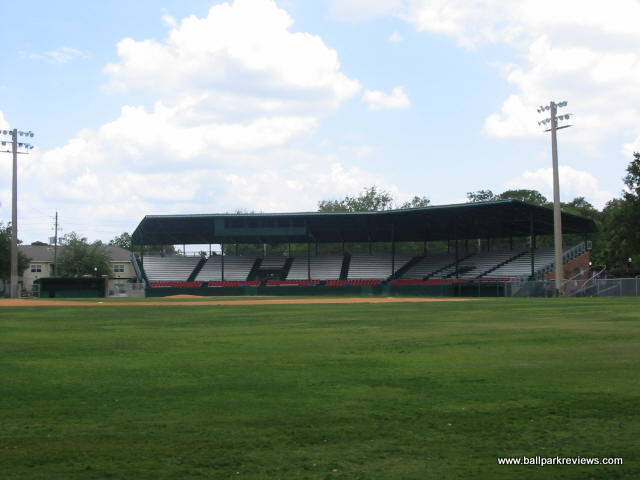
x: 197, y: 303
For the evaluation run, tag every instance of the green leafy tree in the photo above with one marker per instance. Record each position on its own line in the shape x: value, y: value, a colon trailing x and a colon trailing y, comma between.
x: 38, y: 243
x: 481, y: 196
x: 5, y: 254
x: 78, y: 257
x: 369, y: 200
x: 524, y: 195
x: 416, y: 202
x: 579, y: 206
x: 123, y: 241
x: 620, y: 223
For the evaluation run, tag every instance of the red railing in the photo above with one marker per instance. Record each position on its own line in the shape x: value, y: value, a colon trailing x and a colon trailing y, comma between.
x: 292, y: 283
x: 176, y: 284
x: 252, y: 283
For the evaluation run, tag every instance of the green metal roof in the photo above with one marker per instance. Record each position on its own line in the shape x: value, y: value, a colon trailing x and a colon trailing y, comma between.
x: 495, y: 219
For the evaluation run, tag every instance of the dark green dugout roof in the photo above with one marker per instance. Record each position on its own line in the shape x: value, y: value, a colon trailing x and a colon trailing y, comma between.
x: 496, y: 219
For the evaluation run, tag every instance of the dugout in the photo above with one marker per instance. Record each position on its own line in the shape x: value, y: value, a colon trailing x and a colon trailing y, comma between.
x: 53, y: 287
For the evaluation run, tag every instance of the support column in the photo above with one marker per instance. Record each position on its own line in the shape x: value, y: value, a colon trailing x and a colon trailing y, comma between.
x: 457, y: 258
x: 424, y: 247
x: 532, y: 244
x: 222, y: 260
x: 393, y: 249
x: 236, y: 249
x: 308, y: 260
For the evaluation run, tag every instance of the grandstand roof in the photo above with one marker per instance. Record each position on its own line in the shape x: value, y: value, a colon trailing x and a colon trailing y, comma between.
x: 495, y: 219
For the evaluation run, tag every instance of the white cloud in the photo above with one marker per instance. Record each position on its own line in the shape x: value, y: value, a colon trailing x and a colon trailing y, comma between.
x: 233, y: 92
x: 361, y: 10
x: 573, y: 183
x: 60, y: 55
x: 246, y: 47
x: 3, y: 121
x: 395, y: 37
x: 583, y: 51
x: 378, y: 100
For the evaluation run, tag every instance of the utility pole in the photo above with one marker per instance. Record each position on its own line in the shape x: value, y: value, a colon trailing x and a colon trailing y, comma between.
x: 55, y: 248
x: 557, y: 214
x: 15, y: 145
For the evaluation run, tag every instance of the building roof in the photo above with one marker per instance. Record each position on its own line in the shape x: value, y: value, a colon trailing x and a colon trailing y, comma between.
x: 495, y: 219
x: 44, y: 253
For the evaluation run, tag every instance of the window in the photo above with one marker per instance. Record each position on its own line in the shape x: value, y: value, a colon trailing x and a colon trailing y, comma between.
x: 36, y: 268
x: 118, y: 267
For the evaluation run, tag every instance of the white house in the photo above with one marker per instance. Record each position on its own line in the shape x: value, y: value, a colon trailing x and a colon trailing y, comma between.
x: 41, y: 264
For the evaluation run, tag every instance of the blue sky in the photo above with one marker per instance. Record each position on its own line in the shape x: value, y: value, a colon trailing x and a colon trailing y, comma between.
x: 154, y: 107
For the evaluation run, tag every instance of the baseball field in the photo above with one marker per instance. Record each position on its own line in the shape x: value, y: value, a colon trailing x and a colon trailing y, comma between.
x: 182, y: 389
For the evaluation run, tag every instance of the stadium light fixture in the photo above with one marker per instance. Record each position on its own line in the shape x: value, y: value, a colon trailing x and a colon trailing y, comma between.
x: 17, y: 148
x: 557, y: 215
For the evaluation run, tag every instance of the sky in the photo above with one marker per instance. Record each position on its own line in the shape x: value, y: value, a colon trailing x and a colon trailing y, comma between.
x: 191, y: 106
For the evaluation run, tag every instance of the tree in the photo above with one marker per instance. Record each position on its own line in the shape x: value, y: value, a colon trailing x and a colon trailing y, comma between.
x: 5, y: 255
x: 369, y: 200
x: 524, y: 195
x: 481, y: 196
x: 38, y: 243
x: 78, y: 257
x: 621, y: 222
x: 123, y: 241
x: 416, y: 202
x: 579, y: 206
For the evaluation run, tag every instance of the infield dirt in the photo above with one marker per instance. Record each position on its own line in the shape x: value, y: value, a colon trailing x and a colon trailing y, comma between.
x: 204, y: 302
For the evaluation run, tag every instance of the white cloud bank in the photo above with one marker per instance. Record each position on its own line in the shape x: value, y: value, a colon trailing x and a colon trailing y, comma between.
x: 378, y: 100
x: 583, y: 51
x: 233, y: 91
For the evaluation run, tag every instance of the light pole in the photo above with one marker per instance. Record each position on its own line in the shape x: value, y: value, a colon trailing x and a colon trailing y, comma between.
x: 15, y: 150
x: 552, y: 121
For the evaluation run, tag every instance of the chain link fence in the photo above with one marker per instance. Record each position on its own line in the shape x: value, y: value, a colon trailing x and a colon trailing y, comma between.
x: 605, y: 287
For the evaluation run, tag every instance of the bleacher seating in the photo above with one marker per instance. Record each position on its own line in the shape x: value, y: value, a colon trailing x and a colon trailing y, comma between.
x: 236, y: 268
x: 324, y: 267
x: 475, y: 265
x: 368, y: 267
x: 429, y: 264
x: 521, y: 266
x: 169, y: 269
x: 176, y: 284
x: 273, y: 263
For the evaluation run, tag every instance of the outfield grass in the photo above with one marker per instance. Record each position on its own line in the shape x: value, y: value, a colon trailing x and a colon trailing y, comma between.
x: 387, y: 391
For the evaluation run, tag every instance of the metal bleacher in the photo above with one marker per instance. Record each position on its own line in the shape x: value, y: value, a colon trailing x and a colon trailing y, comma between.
x: 235, y: 268
x: 169, y: 269
x: 375, y: 266
x: 324, y: 267
x: 429, y: 264
x: 476, y: 265
x: 521, y: 266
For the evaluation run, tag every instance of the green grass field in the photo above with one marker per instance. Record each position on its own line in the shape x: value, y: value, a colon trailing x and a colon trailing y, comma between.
x: 386, y: 391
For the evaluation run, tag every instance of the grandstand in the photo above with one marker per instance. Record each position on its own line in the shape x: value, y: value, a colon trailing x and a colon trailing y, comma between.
x: 450, y: 226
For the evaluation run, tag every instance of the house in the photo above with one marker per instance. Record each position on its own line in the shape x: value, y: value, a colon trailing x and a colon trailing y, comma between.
x: 41, y: 264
